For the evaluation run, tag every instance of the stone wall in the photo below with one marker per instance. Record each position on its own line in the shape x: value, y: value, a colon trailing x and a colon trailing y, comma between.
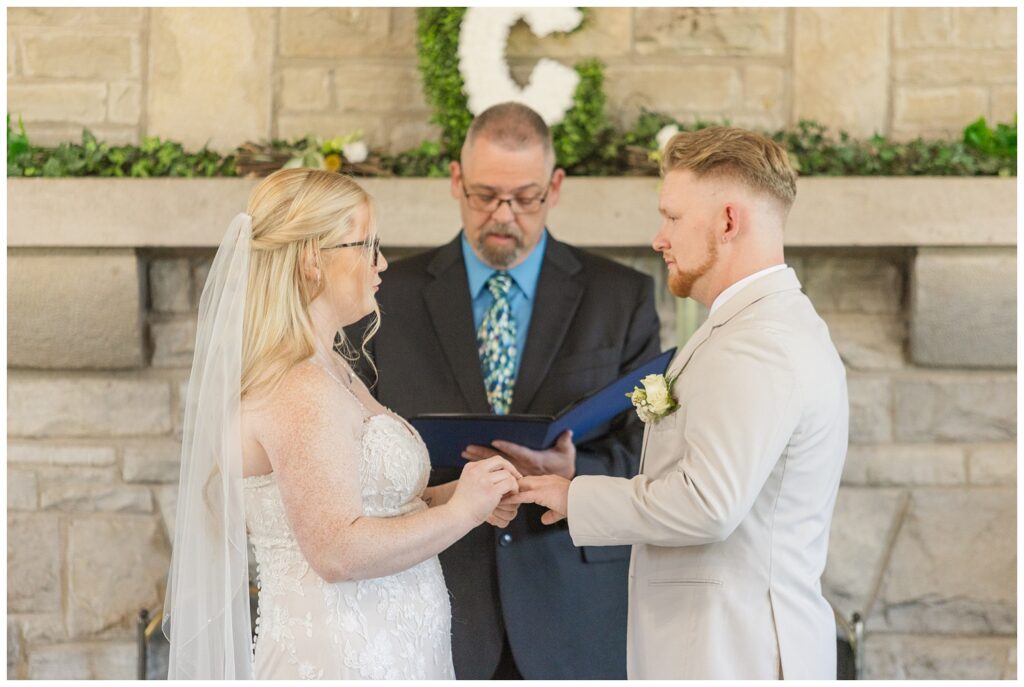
x: 127, y: 73
x: 924, y: 536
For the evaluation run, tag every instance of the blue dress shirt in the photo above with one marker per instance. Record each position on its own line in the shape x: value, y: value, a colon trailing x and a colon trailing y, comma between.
x: 524, y: 287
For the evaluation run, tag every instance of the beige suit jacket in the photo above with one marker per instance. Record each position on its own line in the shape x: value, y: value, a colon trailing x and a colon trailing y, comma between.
x: 729, y: 516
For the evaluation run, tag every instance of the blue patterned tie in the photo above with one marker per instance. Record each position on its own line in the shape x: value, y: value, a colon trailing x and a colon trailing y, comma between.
x: 496, y: 343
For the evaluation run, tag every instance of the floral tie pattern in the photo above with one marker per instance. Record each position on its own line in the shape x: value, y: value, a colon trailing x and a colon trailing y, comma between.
x: 496, y: 343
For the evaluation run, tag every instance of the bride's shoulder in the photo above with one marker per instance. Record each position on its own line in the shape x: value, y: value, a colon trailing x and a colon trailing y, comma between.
x: 306, y: 392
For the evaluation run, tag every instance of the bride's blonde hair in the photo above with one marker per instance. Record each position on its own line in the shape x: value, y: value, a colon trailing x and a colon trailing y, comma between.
x: 294, y: 212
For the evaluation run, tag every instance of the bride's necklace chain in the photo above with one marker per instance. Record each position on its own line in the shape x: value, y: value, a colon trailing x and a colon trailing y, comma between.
x: 327, y: 364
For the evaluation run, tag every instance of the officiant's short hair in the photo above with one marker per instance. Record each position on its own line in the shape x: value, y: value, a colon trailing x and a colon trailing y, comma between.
x: 730, y: 152
x: 511, y: 125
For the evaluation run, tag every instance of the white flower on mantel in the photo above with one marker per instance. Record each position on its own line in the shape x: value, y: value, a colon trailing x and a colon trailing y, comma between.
x: 665, y: 135
x: 355, y: 152
x: 485, y: 73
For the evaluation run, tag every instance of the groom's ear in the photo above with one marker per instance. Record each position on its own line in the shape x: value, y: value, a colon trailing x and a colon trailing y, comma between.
x: 731, y: 222
x: 555, y: 191
x: 455, y: 172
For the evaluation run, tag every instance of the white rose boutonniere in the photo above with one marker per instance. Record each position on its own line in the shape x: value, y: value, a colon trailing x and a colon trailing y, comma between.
x: 655, y: 400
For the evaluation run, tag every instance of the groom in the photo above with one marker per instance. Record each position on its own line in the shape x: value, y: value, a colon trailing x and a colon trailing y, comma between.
x: 729, y: 516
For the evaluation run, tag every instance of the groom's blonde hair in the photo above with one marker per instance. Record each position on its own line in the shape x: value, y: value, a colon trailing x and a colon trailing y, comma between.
x: 295, y: 213
x: 750, y: 158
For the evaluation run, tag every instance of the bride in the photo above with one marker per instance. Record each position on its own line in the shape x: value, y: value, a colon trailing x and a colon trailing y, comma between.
x: 283, y: 441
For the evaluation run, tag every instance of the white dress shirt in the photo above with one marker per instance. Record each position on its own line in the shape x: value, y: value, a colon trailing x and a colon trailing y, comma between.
x: 738, y: 286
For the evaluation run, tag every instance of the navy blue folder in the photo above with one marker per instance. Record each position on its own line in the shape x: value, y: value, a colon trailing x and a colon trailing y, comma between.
x: 448, y: 434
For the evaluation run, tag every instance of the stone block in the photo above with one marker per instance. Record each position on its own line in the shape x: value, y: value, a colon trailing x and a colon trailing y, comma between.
x: 956, y: 407
x: 866, y: 341
x: 992, y: 465
x: 42, y: 454
x: 40, y: 627
x: 95, y: 498
x: 909, y: 657
x: 938, y: 107
x: 893, y: 465
x: 14, y: 651
x: 74, y: 310
x: 86, y: 406
x: 829, y: 46
x: 305, y: 89
x: 73, y: 474
x: 922, y: 27
x: 985, y: 27
x: 1004, y: 103
x: 75, y: 16
x: 764, y: 88
x: 346, y: 32
x: 226, y: 105
x: 953, y: 568
x: 167, y: 502
x: 22, y: 490
x: 863, y: 525
x: 947, y: 67
x: 607, y: 32
x: 712, y: 31
x: 12, y: 56
x: 77, y: 53
x: 124, y: 102
x: 170, y: 285
x: 33, y: 563
x: 152, y: 462
x: 94, y: 661
x: 379, y: 88
x: 173, y: 343
x: 115, y: 567
x: 82, y: 103
x: 682, y: 90
x: 964, y: 308
x: 870, y: 409
x: 853, y: 284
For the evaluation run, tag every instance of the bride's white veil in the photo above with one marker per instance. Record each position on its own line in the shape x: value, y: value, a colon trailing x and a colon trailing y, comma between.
x: 206, y: 612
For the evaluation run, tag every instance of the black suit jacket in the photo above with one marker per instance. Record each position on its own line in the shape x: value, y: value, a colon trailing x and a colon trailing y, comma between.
x: 562, y: 608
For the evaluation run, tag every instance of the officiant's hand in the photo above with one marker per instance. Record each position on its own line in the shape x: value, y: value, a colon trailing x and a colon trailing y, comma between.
x: 559, y: 460
x: 550, y: 491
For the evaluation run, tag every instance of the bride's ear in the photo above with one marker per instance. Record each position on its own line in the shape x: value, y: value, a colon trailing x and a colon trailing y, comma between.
x: 310, y: 264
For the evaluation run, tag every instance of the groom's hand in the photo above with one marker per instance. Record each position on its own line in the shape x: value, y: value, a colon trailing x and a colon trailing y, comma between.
x: 560, y: 459
x: 550, y: 491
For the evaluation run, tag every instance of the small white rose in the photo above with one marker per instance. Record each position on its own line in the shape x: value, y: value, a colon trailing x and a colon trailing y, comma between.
x: 665, y: 135
x: 657, y: 393
x: 356, y: 151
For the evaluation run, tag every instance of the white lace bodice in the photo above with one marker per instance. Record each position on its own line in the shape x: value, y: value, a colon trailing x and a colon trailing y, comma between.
x: 395, y: 627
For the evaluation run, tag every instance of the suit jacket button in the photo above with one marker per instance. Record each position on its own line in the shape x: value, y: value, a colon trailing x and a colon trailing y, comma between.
x: 505, y: 539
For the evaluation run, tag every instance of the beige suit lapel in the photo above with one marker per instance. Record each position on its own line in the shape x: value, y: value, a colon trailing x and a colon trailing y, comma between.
x: 776, y: 282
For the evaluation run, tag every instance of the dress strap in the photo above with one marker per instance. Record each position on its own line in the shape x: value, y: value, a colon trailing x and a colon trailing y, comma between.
x: 366, y: 412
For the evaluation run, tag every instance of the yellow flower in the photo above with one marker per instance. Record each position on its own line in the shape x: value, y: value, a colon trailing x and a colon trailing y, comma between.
x: 332, y: 162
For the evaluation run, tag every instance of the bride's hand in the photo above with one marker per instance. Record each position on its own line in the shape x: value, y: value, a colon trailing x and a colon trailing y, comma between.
x: 481, y: 486
x: 503, y: 514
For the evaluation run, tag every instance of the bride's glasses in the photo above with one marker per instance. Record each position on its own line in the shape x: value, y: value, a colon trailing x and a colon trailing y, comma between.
x: 372, y: 245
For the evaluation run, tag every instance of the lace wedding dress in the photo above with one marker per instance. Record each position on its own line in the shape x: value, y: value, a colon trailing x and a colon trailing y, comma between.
x: 394, y: 627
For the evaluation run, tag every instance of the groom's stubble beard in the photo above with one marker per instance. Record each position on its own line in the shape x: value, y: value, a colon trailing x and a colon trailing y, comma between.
x: 680, y: 282
x: 500, y: 256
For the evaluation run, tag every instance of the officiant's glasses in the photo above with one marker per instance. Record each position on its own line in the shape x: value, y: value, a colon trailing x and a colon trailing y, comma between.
x: 372, y: 245
x: 519, y: 205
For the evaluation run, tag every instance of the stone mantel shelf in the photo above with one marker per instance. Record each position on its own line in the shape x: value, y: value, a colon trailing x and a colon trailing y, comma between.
x: 594, y: 211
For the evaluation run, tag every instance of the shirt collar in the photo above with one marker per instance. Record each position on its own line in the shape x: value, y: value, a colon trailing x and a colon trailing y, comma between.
x: 738, y: 286
x: 524, y: 275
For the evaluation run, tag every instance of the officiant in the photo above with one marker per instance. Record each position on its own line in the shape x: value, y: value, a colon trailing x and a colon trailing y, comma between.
x: 505, y: 318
